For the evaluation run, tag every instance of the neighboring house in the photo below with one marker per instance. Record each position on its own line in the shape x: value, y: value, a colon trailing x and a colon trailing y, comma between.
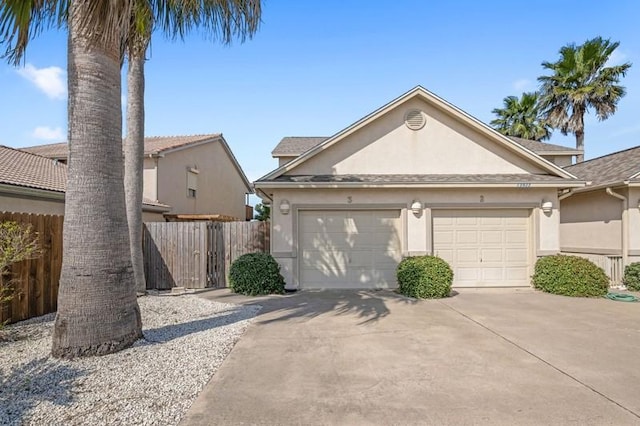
x: 198, y: 176
x: 417, y: 176
x: 602, y: 220
x: 30, y: 183
x: 290, y: 148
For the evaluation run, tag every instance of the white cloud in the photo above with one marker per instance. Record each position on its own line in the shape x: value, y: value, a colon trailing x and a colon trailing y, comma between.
x: 50, y: 80
x: 616, y: 58
x: 48, y: 134
x: 522, y: 85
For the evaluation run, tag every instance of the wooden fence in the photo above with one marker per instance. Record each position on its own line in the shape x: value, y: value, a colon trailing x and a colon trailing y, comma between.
x: 198, y: 254
x: 35, y: 281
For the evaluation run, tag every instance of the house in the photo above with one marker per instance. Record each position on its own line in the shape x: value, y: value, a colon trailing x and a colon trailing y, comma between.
x: 416, y: 176
x: 30, y: 183
x: 198, y: 176
x: 290, y: 148
x: 602, y: 220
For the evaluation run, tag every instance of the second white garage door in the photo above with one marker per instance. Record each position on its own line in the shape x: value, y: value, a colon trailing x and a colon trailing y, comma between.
x: 349, y: 248
x: 485, y: 248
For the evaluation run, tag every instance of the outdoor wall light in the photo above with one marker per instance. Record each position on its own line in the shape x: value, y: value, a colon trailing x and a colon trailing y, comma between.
x: 285, y: 207
x: 416, y: 207
x: 547, y: 206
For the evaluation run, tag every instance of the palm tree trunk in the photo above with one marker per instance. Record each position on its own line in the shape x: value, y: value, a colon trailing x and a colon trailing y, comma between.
x: 134, y: 163
x: 97, y: 308
x: 580, y: 146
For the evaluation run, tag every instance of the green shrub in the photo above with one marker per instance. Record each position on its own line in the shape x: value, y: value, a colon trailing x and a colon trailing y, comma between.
x: 570, y: 276
x: 424, y: 277
x: 632, y: 276
x: 255, y: 274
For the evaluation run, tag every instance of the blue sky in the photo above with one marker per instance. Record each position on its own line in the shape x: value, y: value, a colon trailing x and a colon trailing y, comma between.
x: 316, y: 67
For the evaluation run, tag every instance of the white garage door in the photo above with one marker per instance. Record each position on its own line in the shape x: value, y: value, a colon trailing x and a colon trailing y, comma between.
x: 485, y: 248
x: 349, y: 248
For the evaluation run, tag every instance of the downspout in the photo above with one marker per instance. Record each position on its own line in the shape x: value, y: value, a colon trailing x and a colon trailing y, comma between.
x: 625, y: 225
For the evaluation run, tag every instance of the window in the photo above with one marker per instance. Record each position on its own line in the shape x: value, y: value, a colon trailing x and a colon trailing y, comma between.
x: 192, y: 182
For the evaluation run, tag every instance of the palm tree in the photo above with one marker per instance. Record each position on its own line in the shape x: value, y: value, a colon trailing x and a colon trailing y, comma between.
x: 521, y: 118
x: 581, y: 80
x: 222, y: 19
x: 97, y: 308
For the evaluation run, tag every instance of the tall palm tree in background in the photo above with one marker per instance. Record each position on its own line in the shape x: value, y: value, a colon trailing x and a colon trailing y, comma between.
x: 220, y: 19
x: 581, y: 80
x: 521, y: 118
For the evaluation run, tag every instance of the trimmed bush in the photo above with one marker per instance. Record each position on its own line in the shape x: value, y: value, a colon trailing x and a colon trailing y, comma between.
x: 632, y: 276
x: 254, y: 274
x: 570, y: 276
x: 424, y: 277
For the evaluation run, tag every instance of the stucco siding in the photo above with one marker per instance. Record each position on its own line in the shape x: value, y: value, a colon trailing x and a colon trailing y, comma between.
x: 150, y: 179
x: 29, y: 205
x: 591, y: 222
x: 221, y: 189
x: 559, y: 160
x: 387, y: 146
x: 417, y: 229
x: 633, y: 214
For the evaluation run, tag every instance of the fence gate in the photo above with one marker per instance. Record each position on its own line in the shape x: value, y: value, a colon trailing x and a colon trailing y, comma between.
x: 175, y: 254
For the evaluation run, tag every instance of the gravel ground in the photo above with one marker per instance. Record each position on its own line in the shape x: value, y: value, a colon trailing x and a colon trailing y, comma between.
x: 153, y: 382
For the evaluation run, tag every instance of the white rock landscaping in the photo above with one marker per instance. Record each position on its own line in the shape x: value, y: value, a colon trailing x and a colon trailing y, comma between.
x: 186, y: 338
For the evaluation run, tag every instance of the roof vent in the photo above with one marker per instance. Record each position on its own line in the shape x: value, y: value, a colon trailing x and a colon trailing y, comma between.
x: 415, y: 119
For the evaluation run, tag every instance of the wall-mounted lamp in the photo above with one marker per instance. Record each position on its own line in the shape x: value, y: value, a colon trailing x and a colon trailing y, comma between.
x: 285, y: 207
x: 416, y: 207
x: 547, y: 206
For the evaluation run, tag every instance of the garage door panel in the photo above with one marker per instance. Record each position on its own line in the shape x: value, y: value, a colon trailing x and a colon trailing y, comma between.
x: 490, y: 247
x: 466, y: 237
x: 491, y: 237
x: 349, y: 249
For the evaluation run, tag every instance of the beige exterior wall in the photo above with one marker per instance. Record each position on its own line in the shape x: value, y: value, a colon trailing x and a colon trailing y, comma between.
x: 591, y: 222
x: 150, y: 179
x: 444, y: 145
x: 633, y: 215
x: 284, y: 160
x: 30, y: 205
x: 559, y: 160
x: 416, y: 238
x: 152, y: 217
x: 221, y: 189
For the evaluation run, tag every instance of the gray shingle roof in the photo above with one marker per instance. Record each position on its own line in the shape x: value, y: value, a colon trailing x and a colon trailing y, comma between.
x: 614, y: 167
x: 539, y: 147
x: 33, y: 171
x: 430, y: 178
x: 293, y: 146
x: 152, y: 145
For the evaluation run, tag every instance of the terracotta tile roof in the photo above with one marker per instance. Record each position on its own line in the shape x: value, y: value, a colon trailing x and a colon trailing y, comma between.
x: 293, y: 146
x: 615, y: 167
x: 152, y: 145
x: 433, y: 178
x: 20, y: 168
x: 52, y: 150
x: 34, y: 171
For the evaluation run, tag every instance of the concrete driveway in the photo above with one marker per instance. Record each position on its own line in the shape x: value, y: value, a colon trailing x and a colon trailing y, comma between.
x: 480, y: 357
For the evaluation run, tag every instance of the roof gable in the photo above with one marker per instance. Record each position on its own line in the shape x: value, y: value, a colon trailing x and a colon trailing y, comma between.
x: 372, y: 142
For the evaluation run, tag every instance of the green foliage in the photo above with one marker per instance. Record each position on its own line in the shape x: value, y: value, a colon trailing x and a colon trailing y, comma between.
x: 263, y: 212
x: 521, y: 118
x: 632, y: 276
x: 424, y: 277
x: 18, y: 242
x: 570, y: 276
x: 254, y: 274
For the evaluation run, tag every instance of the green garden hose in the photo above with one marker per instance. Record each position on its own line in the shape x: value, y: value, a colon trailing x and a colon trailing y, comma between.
x: 621, y: 297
